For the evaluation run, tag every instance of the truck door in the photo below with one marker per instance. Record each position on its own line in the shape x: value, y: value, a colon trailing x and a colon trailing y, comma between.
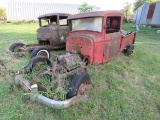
x: 112, y: 38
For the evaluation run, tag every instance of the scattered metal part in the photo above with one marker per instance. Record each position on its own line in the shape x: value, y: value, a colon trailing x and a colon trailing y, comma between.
x: 35, y: 96
x: 2, y: 64
x: 19, y: 54
x: 82, y: 87
x: 5, y: 75
x: 25, y: 85
x: 53, y: 69
x: 43, y: 72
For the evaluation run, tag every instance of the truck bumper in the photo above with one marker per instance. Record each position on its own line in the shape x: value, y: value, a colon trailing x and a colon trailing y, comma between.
x: 35, y: 96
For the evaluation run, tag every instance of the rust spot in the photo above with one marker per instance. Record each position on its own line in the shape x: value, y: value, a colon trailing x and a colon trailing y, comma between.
x: 150, y: 13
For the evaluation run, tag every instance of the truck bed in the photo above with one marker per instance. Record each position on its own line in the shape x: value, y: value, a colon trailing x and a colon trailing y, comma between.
x: 128, y: 38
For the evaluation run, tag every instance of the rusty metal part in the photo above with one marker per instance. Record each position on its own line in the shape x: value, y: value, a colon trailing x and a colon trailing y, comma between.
x: 25, y: 85
x: 53, y: 34
x: 82, y: 87
x: 95, y: 14
x: 40, y: 86
x: 2, y: 64
x: 19, y: 54
x: 5, y: 75
x: 35, y: 96
x: 19, y: 48
x: 150, y: 13
x: 45, y: 16
x: 69, y: 61
x: 53, y: 69
x: 62, y: 77
x: 71, y: 64
x: 43, y: 72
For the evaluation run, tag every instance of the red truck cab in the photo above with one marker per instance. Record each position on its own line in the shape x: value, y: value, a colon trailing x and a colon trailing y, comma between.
x: 98, y: 36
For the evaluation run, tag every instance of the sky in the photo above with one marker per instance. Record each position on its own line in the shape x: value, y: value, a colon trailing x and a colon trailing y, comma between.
x: 104, y: 5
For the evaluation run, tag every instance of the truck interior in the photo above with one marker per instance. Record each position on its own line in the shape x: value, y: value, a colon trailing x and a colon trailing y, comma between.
x: 52, y: 20
x: 112, y: 24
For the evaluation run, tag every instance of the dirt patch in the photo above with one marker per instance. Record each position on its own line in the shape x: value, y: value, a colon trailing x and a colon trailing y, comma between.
x: 119, y: 76
x: 121, y: 56
x: 152, y: 78
x: 139, y: 84
x: 4, y: 74
x: 158, y: 108
x: 2, y: 68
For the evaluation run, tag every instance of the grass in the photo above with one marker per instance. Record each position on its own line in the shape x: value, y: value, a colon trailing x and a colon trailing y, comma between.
x: 126, y: 88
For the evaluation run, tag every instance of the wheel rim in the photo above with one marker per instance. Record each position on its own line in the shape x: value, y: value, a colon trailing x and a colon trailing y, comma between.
x: 82, y: 87
x: 43, y: 53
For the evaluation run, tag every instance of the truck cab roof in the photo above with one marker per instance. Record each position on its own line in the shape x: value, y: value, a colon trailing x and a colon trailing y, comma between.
x: 47, y: 16
x: 95, y: 14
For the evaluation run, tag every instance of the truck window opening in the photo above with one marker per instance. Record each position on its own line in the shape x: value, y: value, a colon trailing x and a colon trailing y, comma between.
x: 112, y: 24
x: 91, y: 24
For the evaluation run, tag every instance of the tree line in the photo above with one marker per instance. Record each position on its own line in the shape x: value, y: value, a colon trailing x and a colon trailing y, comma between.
x: 127, y: 8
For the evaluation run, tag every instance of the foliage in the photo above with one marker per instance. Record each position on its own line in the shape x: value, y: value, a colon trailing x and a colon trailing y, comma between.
x: 139, y: 3
x: 85, y: 8
x: 127, y: 10
x: 2, y: 12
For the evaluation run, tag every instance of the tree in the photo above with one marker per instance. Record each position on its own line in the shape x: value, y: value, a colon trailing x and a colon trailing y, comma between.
x: 2, y: 12
x: 85, y: 8
x: 127, y: 10
x: 139, y: 3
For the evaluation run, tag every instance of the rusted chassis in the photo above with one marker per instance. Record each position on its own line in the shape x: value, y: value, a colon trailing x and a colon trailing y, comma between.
x: 35, y: 96
x: 64, y: 66
x: 29, y: 48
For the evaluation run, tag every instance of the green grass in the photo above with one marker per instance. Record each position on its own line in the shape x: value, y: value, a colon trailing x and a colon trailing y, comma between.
x: 126, y: 88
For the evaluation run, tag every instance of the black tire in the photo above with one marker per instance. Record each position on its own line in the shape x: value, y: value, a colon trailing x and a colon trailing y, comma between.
x: 28, y: 68
x: 40, y: 50
x: 76, y: 83
x: 129, y: 50
x: 14, y: 45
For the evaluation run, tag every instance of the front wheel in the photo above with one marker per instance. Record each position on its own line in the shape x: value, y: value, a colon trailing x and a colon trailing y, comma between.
x: 78, y: 84
x: 40, y: 51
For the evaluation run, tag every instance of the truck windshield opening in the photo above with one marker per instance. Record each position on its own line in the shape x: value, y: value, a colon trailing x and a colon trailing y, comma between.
x: 91, y: 24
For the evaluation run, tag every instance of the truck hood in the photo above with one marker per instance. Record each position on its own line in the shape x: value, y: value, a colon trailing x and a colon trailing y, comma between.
x: 94, y: 37
x: 81, y: 44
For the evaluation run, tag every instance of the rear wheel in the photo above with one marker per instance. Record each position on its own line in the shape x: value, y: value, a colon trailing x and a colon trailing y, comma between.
x: 17, y: 47
x: 78, y: 85
x: 129, y: 50
x: 40, y: 51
